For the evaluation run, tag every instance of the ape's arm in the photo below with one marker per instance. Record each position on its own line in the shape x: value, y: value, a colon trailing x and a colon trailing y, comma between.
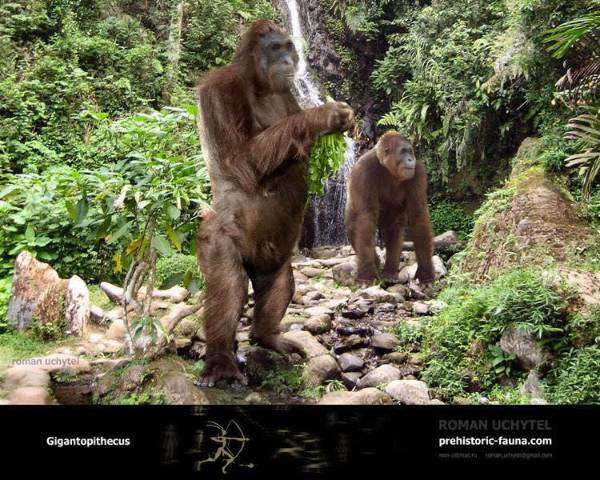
x: 227, y: 127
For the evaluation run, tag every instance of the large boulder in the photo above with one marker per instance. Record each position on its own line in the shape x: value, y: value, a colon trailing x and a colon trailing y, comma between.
x: 530, y: 354
x: 367, y: 396
x: 38, y: 292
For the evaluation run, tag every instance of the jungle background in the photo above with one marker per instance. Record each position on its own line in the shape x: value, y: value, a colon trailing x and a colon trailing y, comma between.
x: 100, y: 162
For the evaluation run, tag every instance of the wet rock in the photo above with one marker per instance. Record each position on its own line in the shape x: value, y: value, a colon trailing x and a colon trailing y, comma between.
x: 351, y: 343
x: 318, y: 325
x: 409, y: 392
x: 358, y: 309
x: 416, y: 292
x: 367, y: 396
x: 255, y: 398
x: 334, y: 303
x: 533, y: 386
x: 384, y: 342
x: 97, y: 315
x: 384, y: 308
x: 379, y: 295
x: 381, y: 375
x: 260, y: 362
x: 312, y: 272
x: 415, y: 358
x: 307, y: 341
x: 350, y: 363
x: 320, y: 369
x: 114, y: 314
x: 529, y: 352
x: 29, y: 396
x: 314, y: 295
x: 117, y: 330
x: 438, y: 268
x: 179, y: 389
x: 133, y: 377
x: 344, y: 273
x: 350, y: 379
x: 290, y: 321
x: 318, y: 311
x: 395, y: 357
x: 25, y: 376
x: 421, y: 308
x: 186, y: 327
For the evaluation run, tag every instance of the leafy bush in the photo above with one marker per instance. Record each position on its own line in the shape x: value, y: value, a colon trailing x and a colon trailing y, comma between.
x: 576, y: 379
x: 459, y: 337
x: 179, y: 269
x: 5, y: 289
x: 450, y: 216
x: 148, y: 166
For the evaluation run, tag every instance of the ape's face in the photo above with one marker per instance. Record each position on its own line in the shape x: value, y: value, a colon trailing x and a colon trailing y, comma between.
x: 278, y: 60
x: 397, y: 155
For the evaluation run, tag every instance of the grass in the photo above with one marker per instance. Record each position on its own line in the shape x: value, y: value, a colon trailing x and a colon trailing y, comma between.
x: 15, y: 345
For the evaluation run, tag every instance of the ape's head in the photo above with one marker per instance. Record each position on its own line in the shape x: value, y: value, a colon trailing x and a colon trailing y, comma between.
x: 396, y: 154
x: 267, y: 49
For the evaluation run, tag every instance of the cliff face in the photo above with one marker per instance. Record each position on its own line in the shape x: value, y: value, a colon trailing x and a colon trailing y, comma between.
x: 348, y: 84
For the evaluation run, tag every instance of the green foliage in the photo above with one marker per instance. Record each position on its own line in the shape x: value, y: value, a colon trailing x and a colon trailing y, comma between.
x: 450, y: 216
x: 469, y: 80
x: 409, y: 335
x: 458, y: 339
x: 148, y: 167
x: 5, y: 291
x: 210, y: 37
x: 576, y: 379
x: 585, y: 132
x: 179, y: 269
x: 320, y: 390
x: 16, y: 344
x: 326, y: 157
x: 286, y: 380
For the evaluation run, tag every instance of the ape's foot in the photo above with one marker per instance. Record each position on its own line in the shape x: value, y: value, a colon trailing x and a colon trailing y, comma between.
x: 390, y: 277
x: 365, y: 281
x: 280, y: 345
x: 220, y: 368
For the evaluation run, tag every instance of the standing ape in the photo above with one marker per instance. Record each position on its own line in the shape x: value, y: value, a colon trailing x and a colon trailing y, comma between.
x: 256, y: 140
x: 387, y: 190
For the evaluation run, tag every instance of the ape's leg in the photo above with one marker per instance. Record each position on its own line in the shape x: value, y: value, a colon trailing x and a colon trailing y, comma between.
x: 364, y: 246
x: 393, y: 239
x: 423, y: 241
x: 226, y: 292
x: 272, y: 295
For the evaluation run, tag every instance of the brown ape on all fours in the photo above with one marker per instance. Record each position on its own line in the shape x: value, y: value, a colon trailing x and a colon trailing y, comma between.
x: 387, y: 191
x: 256, y: 140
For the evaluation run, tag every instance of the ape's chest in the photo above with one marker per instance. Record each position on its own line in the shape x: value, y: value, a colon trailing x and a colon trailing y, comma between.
x: 268, y: 111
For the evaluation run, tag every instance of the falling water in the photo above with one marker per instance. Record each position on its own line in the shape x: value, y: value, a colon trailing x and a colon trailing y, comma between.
x: 328, y: 210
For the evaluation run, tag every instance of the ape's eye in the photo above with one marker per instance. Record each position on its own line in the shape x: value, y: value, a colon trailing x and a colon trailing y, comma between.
x: 404, y: 151
x: 289, y: 45
x: 276, y: 46
x: 386, y: 150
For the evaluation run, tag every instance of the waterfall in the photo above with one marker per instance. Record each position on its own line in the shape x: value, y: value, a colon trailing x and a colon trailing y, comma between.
x: 327, y: 210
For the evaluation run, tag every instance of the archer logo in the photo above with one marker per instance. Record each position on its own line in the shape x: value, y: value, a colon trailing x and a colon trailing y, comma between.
x: 228, y: 443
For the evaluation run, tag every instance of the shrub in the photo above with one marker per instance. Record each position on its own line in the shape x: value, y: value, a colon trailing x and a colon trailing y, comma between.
x: 458, y: 339
x: 450, y: 216
x: 576, y: 379
x: 5, y: 289
x: 179, y: 269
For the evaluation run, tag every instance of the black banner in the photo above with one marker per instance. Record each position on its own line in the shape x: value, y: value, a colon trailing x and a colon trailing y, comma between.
x: 293, y: 441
